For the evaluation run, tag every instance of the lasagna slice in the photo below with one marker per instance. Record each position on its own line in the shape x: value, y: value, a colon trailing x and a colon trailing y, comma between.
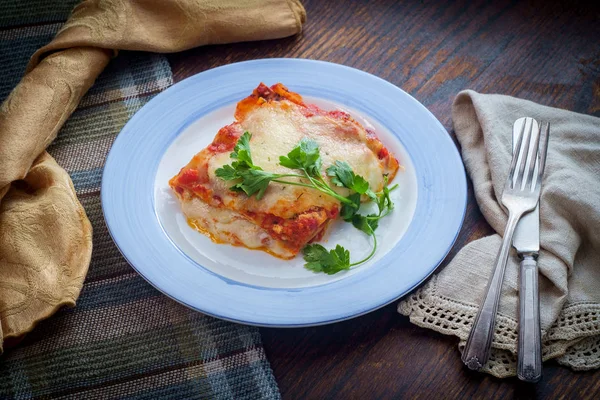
x: 287, y: 217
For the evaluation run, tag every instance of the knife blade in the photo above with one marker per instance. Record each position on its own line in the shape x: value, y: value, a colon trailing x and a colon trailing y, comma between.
x: 526, y: 241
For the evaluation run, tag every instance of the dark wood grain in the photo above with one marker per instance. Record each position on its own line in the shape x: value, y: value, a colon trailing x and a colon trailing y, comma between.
x: 544, y: 51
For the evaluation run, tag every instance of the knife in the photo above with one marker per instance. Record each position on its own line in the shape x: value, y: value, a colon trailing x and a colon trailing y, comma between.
x: 526, y: 241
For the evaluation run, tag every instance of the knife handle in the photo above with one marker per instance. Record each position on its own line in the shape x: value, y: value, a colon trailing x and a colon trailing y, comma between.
x: 529, y: 364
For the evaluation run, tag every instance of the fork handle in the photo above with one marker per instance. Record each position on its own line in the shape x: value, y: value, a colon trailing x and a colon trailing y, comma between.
x: 529, y: 364
x: 477, y: 349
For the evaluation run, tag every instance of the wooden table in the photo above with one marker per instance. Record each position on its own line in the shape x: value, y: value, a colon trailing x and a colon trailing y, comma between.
x: 544, y: 51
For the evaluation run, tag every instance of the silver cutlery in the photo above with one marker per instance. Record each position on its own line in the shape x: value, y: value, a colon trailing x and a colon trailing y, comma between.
x: 526, y: 241
x: 520, y: 195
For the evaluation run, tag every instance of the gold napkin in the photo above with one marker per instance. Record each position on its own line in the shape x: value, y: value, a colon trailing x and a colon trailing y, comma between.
x: 45, y: 236
x: 569, y: 260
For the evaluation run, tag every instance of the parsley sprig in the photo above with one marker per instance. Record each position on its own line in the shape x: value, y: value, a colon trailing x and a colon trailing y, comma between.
x: 254, y: 180
x: 320, y: 260
x: 305, y: 158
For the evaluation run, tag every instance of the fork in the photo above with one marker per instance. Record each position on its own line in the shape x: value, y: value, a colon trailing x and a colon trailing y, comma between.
x: 520, y: 195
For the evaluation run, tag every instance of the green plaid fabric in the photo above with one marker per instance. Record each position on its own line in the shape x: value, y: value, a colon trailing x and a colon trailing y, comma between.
x: 124, y: 339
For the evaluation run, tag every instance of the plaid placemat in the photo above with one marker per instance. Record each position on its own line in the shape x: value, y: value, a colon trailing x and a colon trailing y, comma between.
x: 124, y: 339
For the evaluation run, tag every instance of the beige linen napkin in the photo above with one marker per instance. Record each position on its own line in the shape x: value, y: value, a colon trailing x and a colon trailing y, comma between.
x: 570, y: 236
x: 45, y: 236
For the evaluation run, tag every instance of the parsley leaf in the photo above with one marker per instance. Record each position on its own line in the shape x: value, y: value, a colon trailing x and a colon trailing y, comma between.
x: 304, y: 156
x: 241, y: 151
x: 227, y: 173
x: 362, y: 223
x: 360, y: 184
x: 369, y: 223
x: 254, y: 181
x: 341, y: 174
x: 318, y: 259
x: 349, y: 209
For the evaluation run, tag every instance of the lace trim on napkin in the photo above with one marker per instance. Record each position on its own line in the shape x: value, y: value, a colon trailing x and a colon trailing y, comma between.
x: 573, y: 339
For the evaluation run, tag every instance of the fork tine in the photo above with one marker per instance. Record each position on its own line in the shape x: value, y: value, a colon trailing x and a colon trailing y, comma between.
x: 544, y: 138
x: 523, y: 153
x: 532, y: 158
x: 513, y: 163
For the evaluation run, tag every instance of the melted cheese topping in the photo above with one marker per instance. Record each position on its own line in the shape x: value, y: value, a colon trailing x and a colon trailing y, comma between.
x: 276, y: 130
